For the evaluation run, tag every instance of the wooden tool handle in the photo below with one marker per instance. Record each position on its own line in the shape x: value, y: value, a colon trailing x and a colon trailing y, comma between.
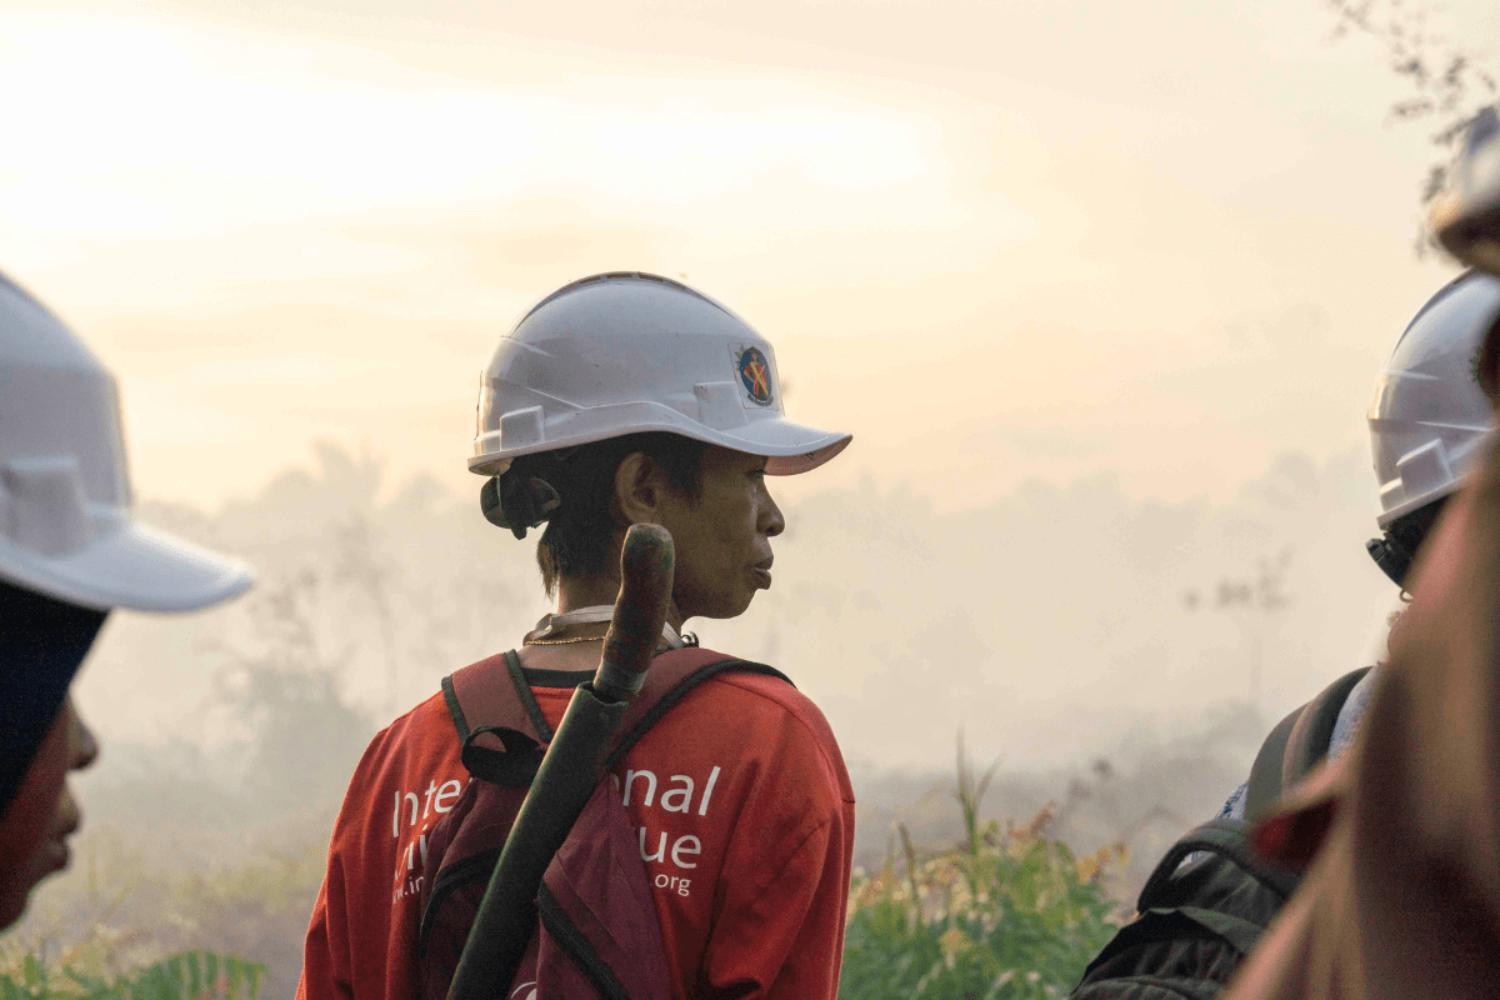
x: 646, y: 564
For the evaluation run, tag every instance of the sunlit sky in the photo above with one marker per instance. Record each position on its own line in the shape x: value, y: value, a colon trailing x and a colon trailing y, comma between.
x: 996, y: 240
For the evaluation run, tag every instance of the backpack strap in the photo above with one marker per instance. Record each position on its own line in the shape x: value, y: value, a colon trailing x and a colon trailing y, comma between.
x: 1264, y: 786
x: 1297, y: 745
x: 493, y: 693
x: 672, y: 677
x: 1169, y: 949
x: 1227, y: 838
x: 493, y: 696
x: 497, y: 719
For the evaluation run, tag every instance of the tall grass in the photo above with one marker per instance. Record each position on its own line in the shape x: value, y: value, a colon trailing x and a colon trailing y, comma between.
x: 1008, y: 914
x: 194, y: 975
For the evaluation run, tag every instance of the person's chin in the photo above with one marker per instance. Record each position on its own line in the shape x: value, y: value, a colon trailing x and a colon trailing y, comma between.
x: 13, y: 900
x: 56, y: 856
x: 731, y: 606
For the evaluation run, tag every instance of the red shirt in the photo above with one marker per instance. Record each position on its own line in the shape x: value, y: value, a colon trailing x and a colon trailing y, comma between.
x: 746, y: 821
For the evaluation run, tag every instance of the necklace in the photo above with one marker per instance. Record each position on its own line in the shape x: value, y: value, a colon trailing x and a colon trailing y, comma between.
x: 551, y: 624
x: 529, y: 641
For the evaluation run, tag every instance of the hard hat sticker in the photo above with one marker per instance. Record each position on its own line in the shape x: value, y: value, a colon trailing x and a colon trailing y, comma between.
x: 755, y: 375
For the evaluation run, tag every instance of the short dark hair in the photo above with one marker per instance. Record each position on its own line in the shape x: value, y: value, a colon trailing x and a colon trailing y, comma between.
x: 577, y: 539
x: 42, y: 645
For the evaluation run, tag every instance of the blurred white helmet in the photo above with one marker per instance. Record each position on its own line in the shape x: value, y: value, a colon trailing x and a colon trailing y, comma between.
x: 65, y: 525
x: 1466, y: 217
x: 1429, y: 414
x: 624, y: 353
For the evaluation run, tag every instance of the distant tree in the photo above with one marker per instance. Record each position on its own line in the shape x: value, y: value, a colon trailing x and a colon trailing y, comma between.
x: 360, y: 564
x: 1448, y: 84
x: 302, y: 734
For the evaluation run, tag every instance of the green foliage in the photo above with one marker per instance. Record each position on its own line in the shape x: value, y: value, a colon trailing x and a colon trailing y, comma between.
x: 193, y: 975
x: 1009, y: 915
x: 126, y: 908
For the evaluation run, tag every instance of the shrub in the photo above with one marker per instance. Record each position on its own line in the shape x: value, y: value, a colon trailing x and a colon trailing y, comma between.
x: 194, y: 975
x: 1010, y: 914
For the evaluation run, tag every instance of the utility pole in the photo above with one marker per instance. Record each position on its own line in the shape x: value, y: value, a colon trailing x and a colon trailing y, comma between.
x: 1250, y: 601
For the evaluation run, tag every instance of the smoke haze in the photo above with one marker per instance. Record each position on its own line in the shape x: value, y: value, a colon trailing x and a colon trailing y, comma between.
x: 1101, y: 290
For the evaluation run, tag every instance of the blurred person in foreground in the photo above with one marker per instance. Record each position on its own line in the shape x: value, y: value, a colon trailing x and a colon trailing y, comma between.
x: 1429, y: 421
x: 1400, y: 838
x: 1402, y: 895
x: 619, y: 399
x: 1211, y: 896
x: 69, y: 553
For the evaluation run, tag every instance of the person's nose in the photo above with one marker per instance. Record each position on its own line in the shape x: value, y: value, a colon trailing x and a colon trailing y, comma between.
x: 83, y: 744
x: 772, y: 523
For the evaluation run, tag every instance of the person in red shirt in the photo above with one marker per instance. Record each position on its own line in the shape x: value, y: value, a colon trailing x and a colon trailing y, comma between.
x: 619, y: 399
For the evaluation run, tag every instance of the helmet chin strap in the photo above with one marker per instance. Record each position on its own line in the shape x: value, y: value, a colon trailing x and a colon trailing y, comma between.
x: 1392, y: 559
x: 518, y: 503
x: 1396, y: 550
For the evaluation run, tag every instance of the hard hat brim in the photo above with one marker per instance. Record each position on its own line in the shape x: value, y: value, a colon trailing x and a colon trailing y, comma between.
x: 133, y: 567
x: 789, y: 447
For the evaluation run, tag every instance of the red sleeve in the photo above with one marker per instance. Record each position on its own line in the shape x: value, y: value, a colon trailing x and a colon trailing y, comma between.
x: 325, y: 955
x: 348, y: 913
x: 359, y: 943
x: 326, y: 972
x: 778, y: 930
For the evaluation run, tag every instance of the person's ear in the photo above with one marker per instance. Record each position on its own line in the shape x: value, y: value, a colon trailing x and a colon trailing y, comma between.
x: 638, y: 489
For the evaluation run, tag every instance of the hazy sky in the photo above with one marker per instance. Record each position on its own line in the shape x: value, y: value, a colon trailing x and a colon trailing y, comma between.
x: 996, y: 240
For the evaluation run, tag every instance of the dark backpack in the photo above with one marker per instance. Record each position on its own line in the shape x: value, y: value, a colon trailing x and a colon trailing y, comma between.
x: 598, y: 937
x: 1210, y: 898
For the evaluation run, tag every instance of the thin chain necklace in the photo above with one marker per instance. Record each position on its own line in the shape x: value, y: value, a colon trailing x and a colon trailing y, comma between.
x: 551, y: 624
x: 529, y: 641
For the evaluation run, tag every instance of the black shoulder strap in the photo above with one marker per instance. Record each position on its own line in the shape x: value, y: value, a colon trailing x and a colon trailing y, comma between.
x: 1264, y: 786
x: 1297, y: 745
x: 1226, y: 838
x: 1308, y: 743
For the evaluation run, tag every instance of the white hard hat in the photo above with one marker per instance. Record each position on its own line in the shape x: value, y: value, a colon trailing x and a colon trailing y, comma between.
x: 1466, y: 217
x: 625, y: 352
x: 65, y: 525
x: 1429, y: 414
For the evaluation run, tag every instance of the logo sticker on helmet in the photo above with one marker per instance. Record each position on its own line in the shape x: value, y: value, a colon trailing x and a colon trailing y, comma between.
x: 755, y: 375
